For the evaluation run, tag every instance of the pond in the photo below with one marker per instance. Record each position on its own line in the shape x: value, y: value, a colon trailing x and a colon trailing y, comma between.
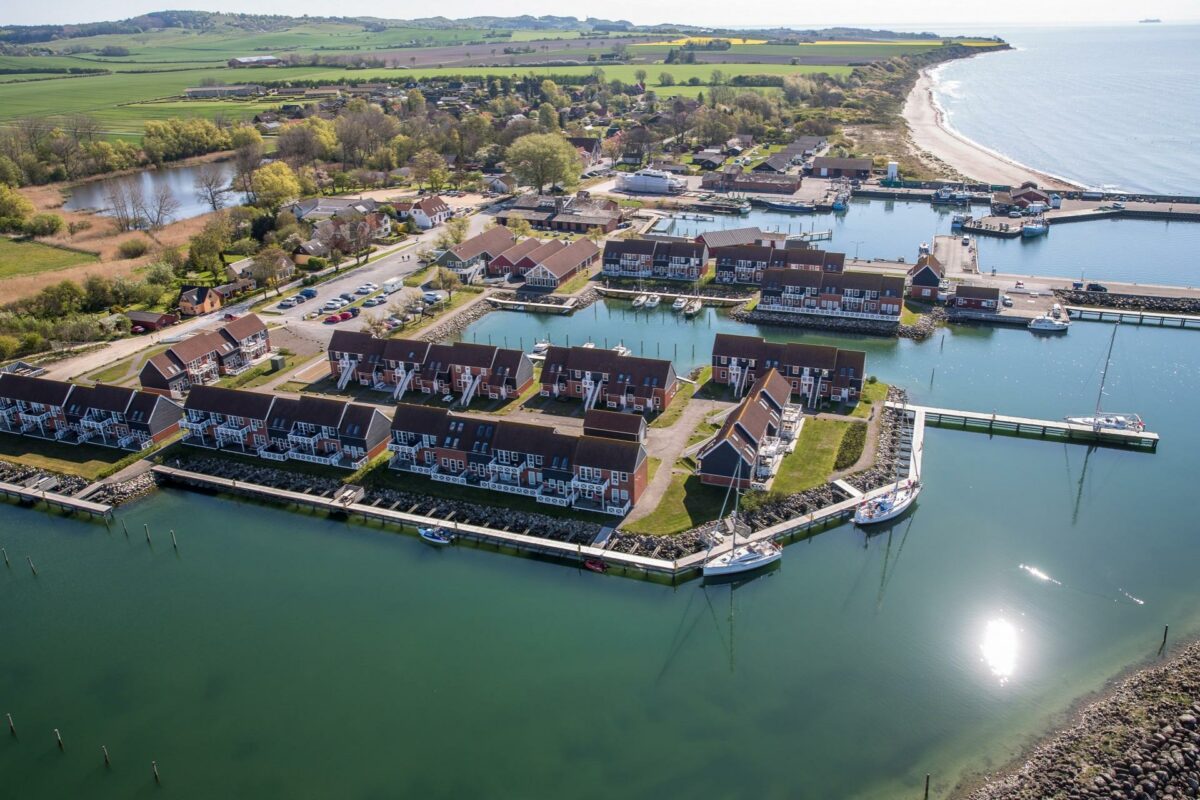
x: 180, y: 181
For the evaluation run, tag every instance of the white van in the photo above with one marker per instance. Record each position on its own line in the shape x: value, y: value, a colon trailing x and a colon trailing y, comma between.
x: 392, y: 285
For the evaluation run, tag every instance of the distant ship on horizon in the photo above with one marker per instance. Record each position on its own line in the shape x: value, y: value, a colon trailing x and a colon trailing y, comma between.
x: 1152, y: 19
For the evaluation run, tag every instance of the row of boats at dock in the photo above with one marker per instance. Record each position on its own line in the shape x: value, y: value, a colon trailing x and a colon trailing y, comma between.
x: 690, y: 306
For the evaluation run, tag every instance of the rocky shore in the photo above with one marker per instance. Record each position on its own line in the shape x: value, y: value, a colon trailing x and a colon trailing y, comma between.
x: 839, y: 324
x: 117, y: 493
x: 1130, y: 302
x: 458, y: 323
x: 1139, y: 742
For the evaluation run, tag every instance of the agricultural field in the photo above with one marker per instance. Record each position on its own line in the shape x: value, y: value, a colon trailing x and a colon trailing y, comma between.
x: 30, y: 258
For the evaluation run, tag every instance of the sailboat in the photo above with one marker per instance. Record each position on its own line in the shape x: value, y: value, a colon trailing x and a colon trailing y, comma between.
x: 891, y: 504
x: 640, y: 300
x: 748, y: 557
x: 1107, y: 420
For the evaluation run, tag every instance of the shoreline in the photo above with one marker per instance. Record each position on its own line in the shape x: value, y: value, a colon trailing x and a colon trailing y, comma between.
x: 1104, y: 733
x: 930, y: 133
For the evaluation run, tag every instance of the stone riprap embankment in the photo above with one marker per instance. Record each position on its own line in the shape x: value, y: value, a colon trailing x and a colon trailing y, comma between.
x: 19, y: 474
x: 924, y: 326
x: 1130, y: 302
x: 532, y: 524
x: 1141, y: 742
x: 441, y: 331
x: 839, y: 324
x: 887, y: 452
x: 114, y: 494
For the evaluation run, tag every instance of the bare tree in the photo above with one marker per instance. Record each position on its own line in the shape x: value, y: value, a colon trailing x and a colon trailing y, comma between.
x: 210, y: 186
x: 124, y: 202
x: 158, y: 209
x: 245, y: 160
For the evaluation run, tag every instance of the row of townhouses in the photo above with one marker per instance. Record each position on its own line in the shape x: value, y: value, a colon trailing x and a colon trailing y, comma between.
x: 318, y: 430
x: 855, y: 295
x: 602, y: 470
x: 748, y: 449
x: 205, y: 357
x: 496, y: 253
x: 399, y: 366
x: 110, y: 416
x: 747, y: 263
x: 813, y: 372
x: 646, y: 258
x: 603, y: 378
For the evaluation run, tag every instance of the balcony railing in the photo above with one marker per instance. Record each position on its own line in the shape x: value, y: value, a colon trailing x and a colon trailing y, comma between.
x: 271, y: 455
x: 309, y: 439
x: 511, y: 488
x: 449, y: 477
x: 827, y: 312
x: 233, y: 430
x: 404, y: 465
x: 193, y: 425
x: 97, y: 425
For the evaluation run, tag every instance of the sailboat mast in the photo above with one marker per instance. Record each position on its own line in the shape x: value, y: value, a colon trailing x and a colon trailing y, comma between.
x: 1104, y: 373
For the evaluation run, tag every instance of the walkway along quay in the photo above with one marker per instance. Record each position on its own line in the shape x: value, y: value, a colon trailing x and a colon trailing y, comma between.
x: 1160, y: 318
x: 1026, y: 426
x: 708, y: 300
x: 55, y: 500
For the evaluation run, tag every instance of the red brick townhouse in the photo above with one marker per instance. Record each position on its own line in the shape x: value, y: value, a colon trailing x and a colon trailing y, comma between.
x: 814, y: 372
x: 747, y: 263
x: 111, y: 416
x: 559, y: 267
x: 205, y: 357
x: 855, y: 295
x: 646, y: 258
x: 593, y: 473
x: 606, y: 379
x: 506, y: 262
x: 747, y: 450
x: 470, y: 259
x: 401, y: 365
x: 313, y: 429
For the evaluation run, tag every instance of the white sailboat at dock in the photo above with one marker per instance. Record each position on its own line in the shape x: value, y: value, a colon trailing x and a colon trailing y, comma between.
x: 1108, y: 420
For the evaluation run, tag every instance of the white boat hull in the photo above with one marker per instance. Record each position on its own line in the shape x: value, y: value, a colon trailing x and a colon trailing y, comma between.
x: 1112, y: 422
x: 745, y: 558
x: 886, y: 507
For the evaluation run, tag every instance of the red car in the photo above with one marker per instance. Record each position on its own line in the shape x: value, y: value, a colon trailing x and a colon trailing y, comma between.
x: 333, y: 319
x: 345, y: 315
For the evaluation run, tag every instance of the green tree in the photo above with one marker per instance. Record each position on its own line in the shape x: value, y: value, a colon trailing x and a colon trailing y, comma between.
x: 269, y: 265
x: 666, y: 79
x: 14, y: 208
x: 44, y: 225
x: 548, y: 117
x: 9, y: 346
x: 428, y: 167
x: 204, y: 251
x: 640, y: 75
x: 454, y: 232
x: 274, y: 184
x: 446, y: 280
x: 541, y: 159
x: 595, y: 234
x: 519, y: 227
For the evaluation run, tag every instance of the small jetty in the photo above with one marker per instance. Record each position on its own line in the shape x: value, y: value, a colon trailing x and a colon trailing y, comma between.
x: 1160, y: 318
x: 540, y: 308
x: 1058, y: 430
x: 55, y: 500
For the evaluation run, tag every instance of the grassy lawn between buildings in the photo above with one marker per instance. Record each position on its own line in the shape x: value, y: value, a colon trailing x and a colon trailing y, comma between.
x: 686, y: 390
x: 87, y: 461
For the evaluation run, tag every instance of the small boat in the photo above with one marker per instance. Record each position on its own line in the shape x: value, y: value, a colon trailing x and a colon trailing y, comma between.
x: 595, y: 565
x: 653, y: 300
x: 790, y: 206
x: 888, y: 506
x: 1101, y: 420
x: 745, y: 558
x: 437, y: 536
x: 541, y: 346
x: 588, y: 345
x: 640, y: 300
x: 622, y: 350
x: 1048, y: 324
x: 679, y: 304
x: 1035, y: 227
x: 958, y: 220
x: 693, y: 308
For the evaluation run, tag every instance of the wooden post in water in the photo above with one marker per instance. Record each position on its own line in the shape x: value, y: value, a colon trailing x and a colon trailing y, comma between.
x: 1163, y: 646
x: 154, y: 766
x: 31, y: 566
x: 11, y: 727
x: 147, y: 527
x: 174, y: 543
x: 58, y: 736
x: 926, y: 786
x: 125, y: 527
x: 104, y: 750
x: 7, y: 563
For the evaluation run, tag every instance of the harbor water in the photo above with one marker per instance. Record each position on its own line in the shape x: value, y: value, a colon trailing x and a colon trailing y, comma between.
x: 1134, y: 251
x: 286, y: 654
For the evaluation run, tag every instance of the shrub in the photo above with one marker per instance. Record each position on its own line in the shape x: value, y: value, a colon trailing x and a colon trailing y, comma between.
x: 132, y: 248
x: 44, y: 225
x: 81, y: 225
x: 243, y: 247
x: 851, y: 448
x: 315, y: 263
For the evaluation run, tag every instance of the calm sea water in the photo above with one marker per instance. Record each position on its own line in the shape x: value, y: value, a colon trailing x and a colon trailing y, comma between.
x: 1136, y: 251
x: 1104, y: 106
x: 282, y: 654
x: 179, y: 180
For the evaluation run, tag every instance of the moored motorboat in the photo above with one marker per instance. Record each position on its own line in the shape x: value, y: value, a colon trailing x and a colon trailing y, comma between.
x: 653, y: 300
x: 588, y: 345
x: 744, y: 558
x: 1048, y: 324
x: 595, y: 565
x: 436, y: 536
x: 888, y: 506
x: 622, y: 350
x: 541, y: 346
x: 1035, y: 227
x: 790, y: 206
x: 679, y: 303
x: 640, y: 300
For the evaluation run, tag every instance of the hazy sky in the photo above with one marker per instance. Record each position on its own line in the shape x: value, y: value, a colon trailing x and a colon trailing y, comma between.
x: 941, y: 16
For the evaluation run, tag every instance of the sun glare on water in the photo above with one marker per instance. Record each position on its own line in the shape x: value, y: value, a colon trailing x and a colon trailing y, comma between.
x: 999, y: 648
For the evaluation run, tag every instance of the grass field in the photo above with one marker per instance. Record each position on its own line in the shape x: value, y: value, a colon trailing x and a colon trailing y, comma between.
x: 686, y: 503
x: 812, y: 462
x: 30, y: 258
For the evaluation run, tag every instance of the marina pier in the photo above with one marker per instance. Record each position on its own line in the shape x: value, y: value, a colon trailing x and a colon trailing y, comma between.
x: 55, y: 500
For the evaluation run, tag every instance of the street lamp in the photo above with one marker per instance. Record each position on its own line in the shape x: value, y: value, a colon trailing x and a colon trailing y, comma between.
x: 856, y: 244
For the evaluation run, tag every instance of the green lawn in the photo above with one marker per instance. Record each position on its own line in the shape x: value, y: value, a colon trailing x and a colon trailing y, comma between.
x: 686, y: 504
x: 872, y: 393
x: 575, y: 284
x: 812, y: 462
x: 126, y: 369
x: 87, y: 461
x: 260, y: 373
x: 22, y: 257
x: 674, y: 411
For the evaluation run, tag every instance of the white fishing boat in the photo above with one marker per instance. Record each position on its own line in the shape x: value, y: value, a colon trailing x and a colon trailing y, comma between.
x: 436, y: 536
x: 640, y: 300
x: 1048, y: 324
x: 679, y: 303
x: 958, y: 220
x: 693, y: 308
x: 653, y: 300
x: 622, y: 350
x: 1035, y: 227
x: 1107, y: 420
x: 888, y: 506
x: 541, y: 346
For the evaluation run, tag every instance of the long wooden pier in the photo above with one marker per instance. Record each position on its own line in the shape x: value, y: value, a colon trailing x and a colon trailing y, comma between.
x: 1061, y: 430
x: 1160, y: 318
x: 54, y: 500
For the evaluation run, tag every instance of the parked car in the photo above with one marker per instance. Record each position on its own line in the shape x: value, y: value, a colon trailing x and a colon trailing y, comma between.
x: 347, y: 296
x: 309, y: 293
x: 354, y: 312
x: 331, y: 305
x: 333, y: 319
x: 289, y: 303
x: 1006, y: 300
x: 1014, y: 214
x: 137, y: 329
x: 345, y: 315
x: 1097, y: 287
x: 1020, y: 284
x: 298, y: 299
x: 363, y: 290
x: 371, y: 302
x: 433, y: 297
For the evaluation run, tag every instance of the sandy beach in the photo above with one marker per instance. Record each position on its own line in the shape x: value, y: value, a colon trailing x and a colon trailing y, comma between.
x: 930, y: 133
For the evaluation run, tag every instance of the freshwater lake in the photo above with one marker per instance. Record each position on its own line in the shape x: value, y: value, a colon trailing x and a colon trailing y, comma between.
x: 284, y: 654
x: 180, y: 180
x: 1134, y: 251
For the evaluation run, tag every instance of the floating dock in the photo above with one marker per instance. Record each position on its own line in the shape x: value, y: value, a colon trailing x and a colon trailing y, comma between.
x: 55, y: 500
x: 1027, y: 426
x: 1160, y: 318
